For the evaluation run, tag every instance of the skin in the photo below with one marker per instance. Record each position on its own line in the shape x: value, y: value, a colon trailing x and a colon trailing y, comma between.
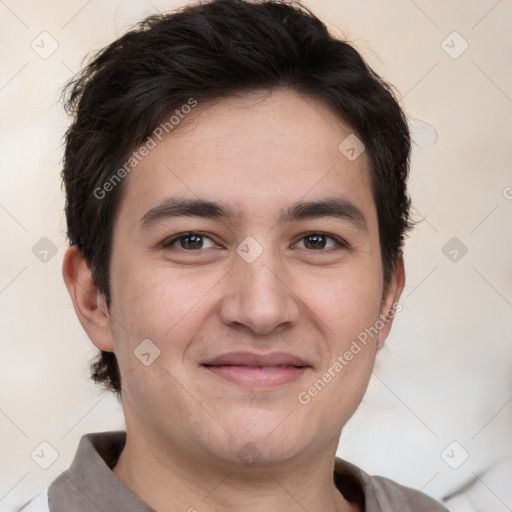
x: 186, y: 425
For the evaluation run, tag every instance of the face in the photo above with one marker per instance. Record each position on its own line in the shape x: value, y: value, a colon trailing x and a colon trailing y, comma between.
x: 247, y: 299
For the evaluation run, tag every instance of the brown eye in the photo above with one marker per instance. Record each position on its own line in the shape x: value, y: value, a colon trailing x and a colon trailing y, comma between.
x: 320, y: 242
x: 188, y: 242
x: 191, y: 242
x: 315, y: 241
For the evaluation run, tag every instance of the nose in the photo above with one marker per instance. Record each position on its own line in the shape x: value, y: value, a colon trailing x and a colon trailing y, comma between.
x: 259, y: 296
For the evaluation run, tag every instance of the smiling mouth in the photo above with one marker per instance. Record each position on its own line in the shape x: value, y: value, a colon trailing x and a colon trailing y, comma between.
x: 252, y: 369
x: 258, y: 376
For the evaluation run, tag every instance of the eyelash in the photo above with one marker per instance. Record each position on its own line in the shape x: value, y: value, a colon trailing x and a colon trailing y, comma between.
x: 167, y: 244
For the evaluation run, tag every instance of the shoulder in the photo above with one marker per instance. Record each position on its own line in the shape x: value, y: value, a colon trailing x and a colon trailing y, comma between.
x: 394, y: 494
x: 37, y: 504
x: 384, y: 495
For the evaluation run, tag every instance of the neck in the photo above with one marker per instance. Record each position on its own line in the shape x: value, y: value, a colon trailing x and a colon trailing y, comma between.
x: 178, y: 482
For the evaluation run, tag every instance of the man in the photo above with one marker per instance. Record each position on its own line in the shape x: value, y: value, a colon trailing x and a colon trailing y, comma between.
x: 236, y: 208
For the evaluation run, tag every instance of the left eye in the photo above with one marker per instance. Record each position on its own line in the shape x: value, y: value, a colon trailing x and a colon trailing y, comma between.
x: 318, y: 241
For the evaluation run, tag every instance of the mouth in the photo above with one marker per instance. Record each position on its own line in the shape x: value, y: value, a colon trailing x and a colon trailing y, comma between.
x: 258, y: 370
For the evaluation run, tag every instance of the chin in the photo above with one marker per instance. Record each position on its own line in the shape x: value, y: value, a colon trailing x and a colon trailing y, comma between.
x: 259, y: 442
x: 258, y: 455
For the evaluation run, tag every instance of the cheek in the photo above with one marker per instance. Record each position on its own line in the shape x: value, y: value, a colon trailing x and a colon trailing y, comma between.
x: 348, y: 307
x: 346, y: 303
x: 154, y: 301
x: 335, y: 391
x: 151, y: 304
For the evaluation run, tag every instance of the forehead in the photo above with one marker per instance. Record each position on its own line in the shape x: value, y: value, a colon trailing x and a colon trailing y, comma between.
x: 256, y: 151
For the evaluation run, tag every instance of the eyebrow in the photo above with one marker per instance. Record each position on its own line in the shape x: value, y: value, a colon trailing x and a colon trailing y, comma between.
x: 337, y: 207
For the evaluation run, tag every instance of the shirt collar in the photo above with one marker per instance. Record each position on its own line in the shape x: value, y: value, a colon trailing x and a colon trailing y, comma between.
x: 89, y: 485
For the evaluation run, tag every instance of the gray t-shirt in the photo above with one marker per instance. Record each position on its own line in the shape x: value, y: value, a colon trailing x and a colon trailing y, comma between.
x: 90, y: 486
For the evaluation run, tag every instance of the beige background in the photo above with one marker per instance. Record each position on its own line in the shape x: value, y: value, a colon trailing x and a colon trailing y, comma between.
x: 444, y: 375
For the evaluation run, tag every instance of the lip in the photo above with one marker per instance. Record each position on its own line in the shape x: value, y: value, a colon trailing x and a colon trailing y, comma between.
x: 253, y: 359
x: 258, y: 370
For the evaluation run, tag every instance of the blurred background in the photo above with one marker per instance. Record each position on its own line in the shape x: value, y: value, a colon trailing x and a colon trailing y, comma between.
x: 438, y: 412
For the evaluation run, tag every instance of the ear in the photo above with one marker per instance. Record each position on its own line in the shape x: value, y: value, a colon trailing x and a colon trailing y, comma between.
x: 390, y: 305
x: 89, y: 303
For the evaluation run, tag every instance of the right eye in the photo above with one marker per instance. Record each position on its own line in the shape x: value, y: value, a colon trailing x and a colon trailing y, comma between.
x: 190, y: 241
